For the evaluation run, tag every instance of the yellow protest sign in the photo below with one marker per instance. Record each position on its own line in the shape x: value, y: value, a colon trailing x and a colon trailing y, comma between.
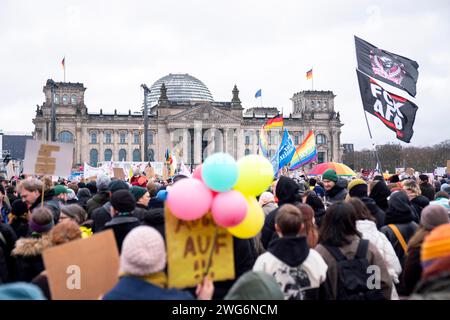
x: 189, y: 247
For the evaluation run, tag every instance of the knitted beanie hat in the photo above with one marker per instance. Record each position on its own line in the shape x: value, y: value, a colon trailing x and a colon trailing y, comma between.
x: 138, y: 192
x: 436, y: 245
x: 433, y: 216
x: 330, y: 174
x: 143, y: 252
x: 123, y: 201
x: 357, y: 188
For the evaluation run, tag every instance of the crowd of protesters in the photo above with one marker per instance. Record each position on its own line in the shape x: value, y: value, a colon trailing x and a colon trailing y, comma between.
x: 326, y: 238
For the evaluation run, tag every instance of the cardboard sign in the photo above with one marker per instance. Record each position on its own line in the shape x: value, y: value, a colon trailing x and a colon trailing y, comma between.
x: 48, y: 158
x: 410, y: 172
x: 448, y: 166
x: 149, y: 172
x: 189, y: 247
x: 119, y: 173
x: 83, y: 269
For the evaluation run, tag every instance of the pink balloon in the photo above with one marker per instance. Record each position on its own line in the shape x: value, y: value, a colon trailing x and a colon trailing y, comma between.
x: 189, y: 199
x: 229, y: 208
x: 197, y: 174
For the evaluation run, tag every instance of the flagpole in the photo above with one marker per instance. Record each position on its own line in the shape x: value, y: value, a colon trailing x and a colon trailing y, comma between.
x: 373, y: 142
x: 312, y: 79
x: 64, y: 68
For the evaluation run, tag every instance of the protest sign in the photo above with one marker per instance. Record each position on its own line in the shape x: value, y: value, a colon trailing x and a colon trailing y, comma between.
x: 48, y: 158
x: 189, y: 248
x: 83, y: 269
x: 448, y: 166
x: 119, y: 173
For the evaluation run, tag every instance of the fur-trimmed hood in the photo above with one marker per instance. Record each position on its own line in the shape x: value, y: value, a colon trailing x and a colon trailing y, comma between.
x: 30, y: 247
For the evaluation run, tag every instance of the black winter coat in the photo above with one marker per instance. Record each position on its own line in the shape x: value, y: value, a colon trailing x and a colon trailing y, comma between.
x: 155, y: 218
x: 100, y: 217
x: 427, y: 191
x: 287, y: 192
x: 121, y: 225
x: 28, y: 257
x: 7, y: 242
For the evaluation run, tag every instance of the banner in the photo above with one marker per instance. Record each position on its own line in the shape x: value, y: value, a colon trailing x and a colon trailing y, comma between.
x: 305, y: 153
x: 263, y: 143
x: 397, y: 113
x: 388, y: 67
x: 286, y: 150
x: 48, y: 158
x: 189, y: 247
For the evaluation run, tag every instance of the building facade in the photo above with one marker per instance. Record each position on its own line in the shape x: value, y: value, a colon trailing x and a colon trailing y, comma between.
x: 184, y: 118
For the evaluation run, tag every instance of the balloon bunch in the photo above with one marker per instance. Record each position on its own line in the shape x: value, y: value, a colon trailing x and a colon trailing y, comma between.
x: 226, y: 188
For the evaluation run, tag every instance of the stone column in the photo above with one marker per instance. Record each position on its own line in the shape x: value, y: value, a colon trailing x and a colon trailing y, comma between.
x: 225, y: 139
x: 186, y: 141
x: 129, y: 138
x: 197, y: 143
x: 115, y: 137
x: 240, y: 143
x: 101, y: 151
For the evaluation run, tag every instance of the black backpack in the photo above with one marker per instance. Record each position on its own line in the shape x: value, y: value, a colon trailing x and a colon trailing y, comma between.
x: 353, y: 276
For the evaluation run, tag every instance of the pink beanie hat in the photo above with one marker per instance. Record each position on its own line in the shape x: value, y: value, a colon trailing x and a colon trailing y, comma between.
x: 143, y: 252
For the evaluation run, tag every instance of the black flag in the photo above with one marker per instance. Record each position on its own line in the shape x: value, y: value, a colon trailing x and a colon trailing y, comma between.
x: 389, y: 67
x: 397, y: 113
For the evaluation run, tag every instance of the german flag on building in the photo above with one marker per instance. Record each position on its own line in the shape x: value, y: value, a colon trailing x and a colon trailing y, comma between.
x: 274, y: 123
x: 309, y: 74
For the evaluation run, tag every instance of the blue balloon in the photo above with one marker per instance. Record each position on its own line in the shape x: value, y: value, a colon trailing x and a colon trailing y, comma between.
x: 220, y: 172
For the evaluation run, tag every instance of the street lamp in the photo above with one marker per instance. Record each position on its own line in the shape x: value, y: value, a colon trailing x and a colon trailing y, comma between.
x: 53, y: 111
x: 146, y: 92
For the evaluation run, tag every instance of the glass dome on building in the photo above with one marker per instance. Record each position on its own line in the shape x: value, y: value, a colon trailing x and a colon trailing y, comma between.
x: 180, y: 87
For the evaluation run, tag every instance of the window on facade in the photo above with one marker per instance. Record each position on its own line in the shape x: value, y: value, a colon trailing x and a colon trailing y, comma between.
x: 321, y: 139
x: 108, y: 137
x: 57, y: 98
x: 108, y: 154
x: 66, y: 137
x: 93, y: 157
x: 247, y: 152
x: 122, y: 155
x: 150, y: 137
x: 296, y: 142
x: 122, y: 137
x: 65, y: 99
x: 247, y: 140
x: 73, y: 99
x: 151, y: 155
x: 321, y: 157
x: 93, y: 137
x: 136, y: 137
x: 136, y: 155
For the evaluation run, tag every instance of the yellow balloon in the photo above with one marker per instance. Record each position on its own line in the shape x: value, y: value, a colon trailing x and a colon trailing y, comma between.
x: 255, y: 175
x: 253, y: 222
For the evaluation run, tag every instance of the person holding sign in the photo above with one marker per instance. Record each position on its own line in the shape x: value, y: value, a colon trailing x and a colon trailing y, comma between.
x: 142, y: 276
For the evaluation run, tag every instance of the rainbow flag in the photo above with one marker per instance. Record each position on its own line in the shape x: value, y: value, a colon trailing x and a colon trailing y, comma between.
x: 304, y: 153
x: 263, y: 143
x: 274, y: 122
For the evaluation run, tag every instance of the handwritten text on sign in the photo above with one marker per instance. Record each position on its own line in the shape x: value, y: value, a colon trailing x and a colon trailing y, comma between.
x: 48, y: 158
x: 189, y: 246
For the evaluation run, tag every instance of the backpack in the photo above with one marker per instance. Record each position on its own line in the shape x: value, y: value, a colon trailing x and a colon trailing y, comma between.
x: 353, y: 276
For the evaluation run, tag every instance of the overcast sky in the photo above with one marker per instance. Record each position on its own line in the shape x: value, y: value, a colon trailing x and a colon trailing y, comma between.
x: 114, y: 46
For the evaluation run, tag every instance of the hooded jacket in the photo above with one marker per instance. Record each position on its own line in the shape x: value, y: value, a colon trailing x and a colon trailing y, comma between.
x: 287, y: 191
x: 379, y: 193
x: 155, y: 218
x: 369, y: 231
x: 418, y: 203
x: 28, y: 252
x: 401, y: 214
x: 255, y: 286
x: 338, y: 192
x: 97, y: 201
x: 298, y: 270
x: 375, y: 210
